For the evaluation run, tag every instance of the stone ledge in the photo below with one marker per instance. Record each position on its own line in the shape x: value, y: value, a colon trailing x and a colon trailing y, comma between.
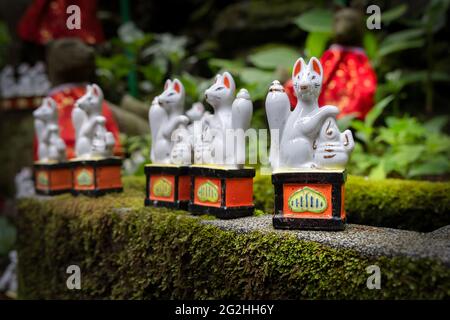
x: 366, y: 240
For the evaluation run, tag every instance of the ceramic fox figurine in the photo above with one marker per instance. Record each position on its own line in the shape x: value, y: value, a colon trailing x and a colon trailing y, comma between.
x: 299, y: 129
x: 51, y: 146
x: 168, y: 125
x: 8, y: 86
x: 332, y: 148
x: 92, y: 138
x: 230, y: 112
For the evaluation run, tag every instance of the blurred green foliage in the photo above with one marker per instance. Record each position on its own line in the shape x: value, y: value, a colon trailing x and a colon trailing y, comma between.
x: 409, y: 62
x: 7, y: 236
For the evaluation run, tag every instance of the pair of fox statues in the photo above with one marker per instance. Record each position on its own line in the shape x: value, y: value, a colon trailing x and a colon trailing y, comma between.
x: 95, y: 170
x: 198, y: 160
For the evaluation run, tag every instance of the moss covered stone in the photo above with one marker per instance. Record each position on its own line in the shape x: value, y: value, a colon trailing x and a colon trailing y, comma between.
x: 127, y: 251
x: 404, y: 204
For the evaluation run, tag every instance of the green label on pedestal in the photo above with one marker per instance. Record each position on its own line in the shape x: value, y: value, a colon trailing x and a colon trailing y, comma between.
x: 42, y: 178
x: 85, y: 178
x: 307, y: 200
x: 208, y: 192
x: 162, y: 188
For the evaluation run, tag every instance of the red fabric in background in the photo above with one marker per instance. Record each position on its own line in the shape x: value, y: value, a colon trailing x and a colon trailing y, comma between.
x: 65, y: 99
x: 46, y: 20
x: 349, y: 81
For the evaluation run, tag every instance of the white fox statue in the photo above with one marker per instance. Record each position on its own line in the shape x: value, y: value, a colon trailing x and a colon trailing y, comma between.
x: 230, y: 113
x: 51, y: 146
x: 171, y: 140
x: 92, y: 138
x: 299, y: 129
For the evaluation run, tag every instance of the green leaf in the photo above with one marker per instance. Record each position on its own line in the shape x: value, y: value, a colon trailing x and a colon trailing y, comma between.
x: 436, y: 124
x: 393, y: 14
x: 389, y: 48
x: 315, y: 20
x: 272, y: 56
x: 7, y: 236
x: 378, y: 172
x: 404, y: 35
x: 435, y: 166
x: 254, y: 75
x: 370, y: 43
x: 316, y: 43
x: 233, y: 66
x: 377, y: 110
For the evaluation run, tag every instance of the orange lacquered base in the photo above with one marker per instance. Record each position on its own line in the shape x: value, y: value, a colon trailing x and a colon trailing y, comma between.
x: 225, y: 193
x: 312, y: 200
x: 167, y: 186
x: 95, y: 177
x: 52, y: 178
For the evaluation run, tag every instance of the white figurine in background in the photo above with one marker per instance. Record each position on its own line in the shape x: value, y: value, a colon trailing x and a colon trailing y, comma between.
x: 25, y: 85
x: 39, y: 81
x: 8, y: 86
x: 8, y: 281
x: 168, y: 126
x: 50, y: 145
x: 92, y: 138
x: 24, y: 183
x: 230, y: 112
x: 299, y: 129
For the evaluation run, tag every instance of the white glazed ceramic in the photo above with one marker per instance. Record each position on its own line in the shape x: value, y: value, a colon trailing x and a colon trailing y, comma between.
x: 92, y: 138
x: 230, y: 113
x: 51, y: 146
x: 304, y: 132
x: 171, y: 137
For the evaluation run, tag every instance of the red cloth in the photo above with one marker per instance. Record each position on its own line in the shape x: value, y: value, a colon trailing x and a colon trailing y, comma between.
x: 65, y: 99
x: 46, y: 20
x: 349, y: 81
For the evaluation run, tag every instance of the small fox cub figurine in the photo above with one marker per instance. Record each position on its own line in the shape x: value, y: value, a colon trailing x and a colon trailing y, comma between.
x: 171, y: 140
x: 299, y: 129
x: 230, y: 112
x: 50, y: 145
x: 92, y: 138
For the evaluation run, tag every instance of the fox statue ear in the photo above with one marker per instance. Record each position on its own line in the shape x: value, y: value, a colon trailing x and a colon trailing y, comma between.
x: 167, y: 84
x: 228, y: 81
x: 178, y: 86
x: 314, y: 64
x: 299, y: 66
x: 50, y: 102
x: 97, y: 91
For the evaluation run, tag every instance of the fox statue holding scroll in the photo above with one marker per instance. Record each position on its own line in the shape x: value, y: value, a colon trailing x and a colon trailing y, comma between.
x: 171, y: 138
x: 51, y: 146
x: 92, y: 138
x: 302, y: 130
x: 231, y: 113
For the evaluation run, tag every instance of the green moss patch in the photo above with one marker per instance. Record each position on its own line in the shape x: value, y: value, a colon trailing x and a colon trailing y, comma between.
x: 126, y: 251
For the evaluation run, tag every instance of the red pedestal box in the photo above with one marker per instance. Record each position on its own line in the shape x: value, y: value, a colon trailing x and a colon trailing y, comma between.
x: 52, y: 178
x: 95, y: 177
x: 167, y: 186
x: 312, y: 200
x: 225, y: 193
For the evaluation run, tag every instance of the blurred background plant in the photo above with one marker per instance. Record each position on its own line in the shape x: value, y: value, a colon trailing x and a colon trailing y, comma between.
x: 405, y: 135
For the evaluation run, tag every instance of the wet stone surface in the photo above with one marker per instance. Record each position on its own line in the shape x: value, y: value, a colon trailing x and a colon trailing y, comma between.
x: 366, y: 240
